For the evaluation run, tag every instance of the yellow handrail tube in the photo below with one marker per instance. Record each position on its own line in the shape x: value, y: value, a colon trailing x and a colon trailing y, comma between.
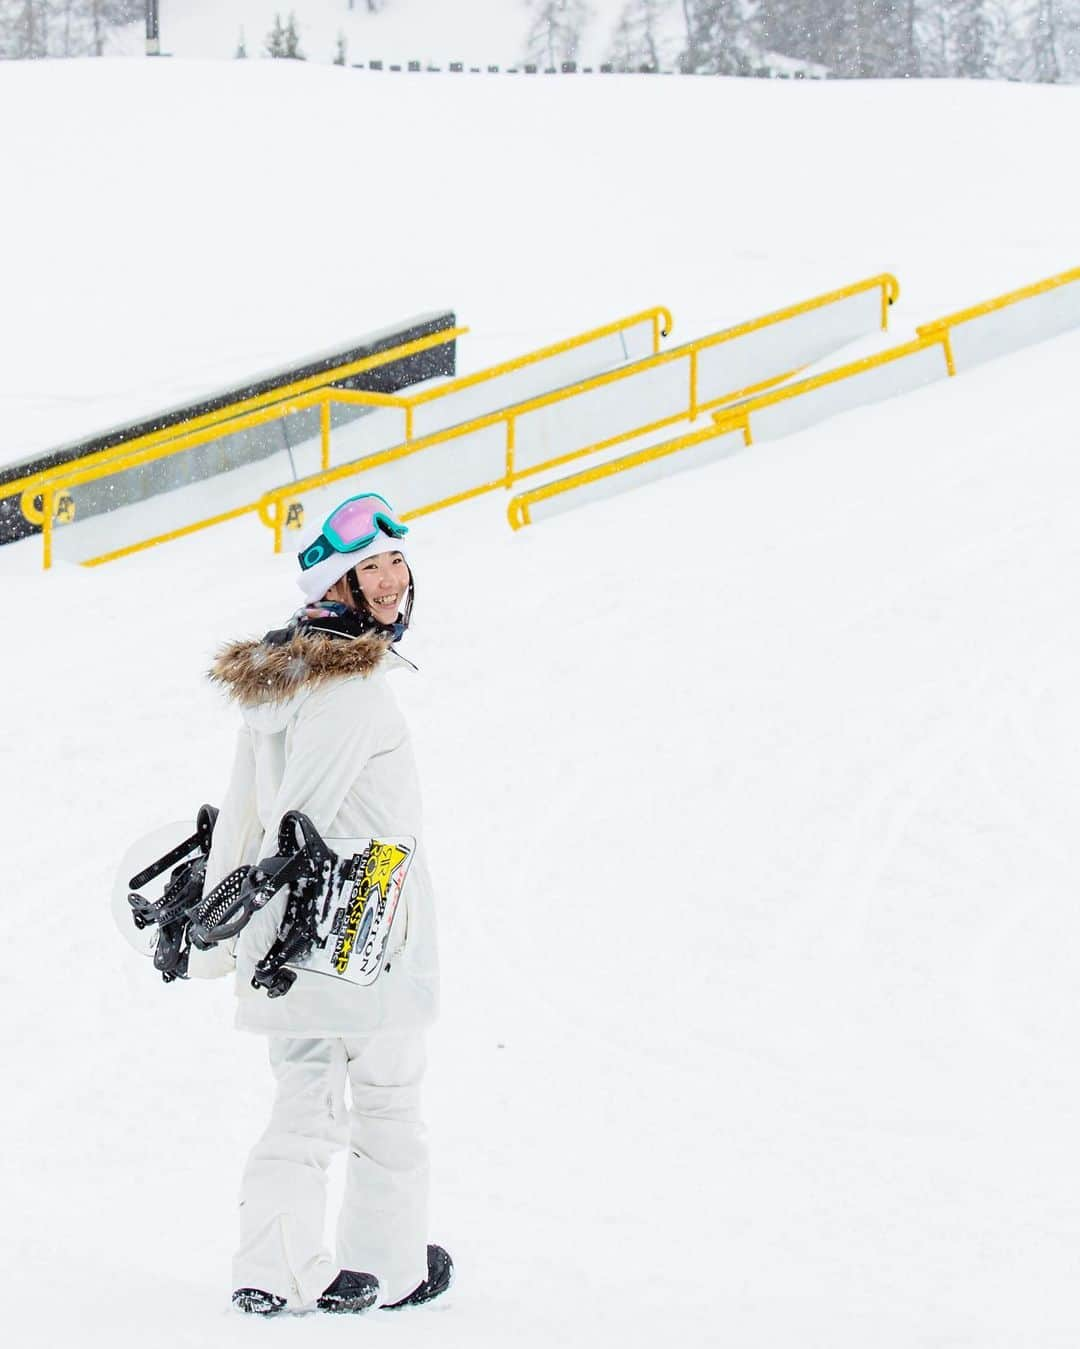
x: 1001, y: 302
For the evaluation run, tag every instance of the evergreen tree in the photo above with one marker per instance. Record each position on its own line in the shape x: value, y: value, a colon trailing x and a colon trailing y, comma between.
x: 241, y: 47
x: 339, y: 53
x: 275, y: 39
x: 292, y: 40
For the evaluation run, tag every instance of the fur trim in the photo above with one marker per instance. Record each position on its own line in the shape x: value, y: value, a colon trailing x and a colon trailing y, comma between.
x: 256, y: 672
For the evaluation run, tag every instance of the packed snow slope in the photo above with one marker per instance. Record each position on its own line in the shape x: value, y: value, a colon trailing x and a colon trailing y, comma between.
x: 233, y: 215
x: 751, y: 801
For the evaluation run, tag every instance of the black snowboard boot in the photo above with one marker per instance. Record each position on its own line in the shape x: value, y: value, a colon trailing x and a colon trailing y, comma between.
x: 440, y: 1274
x: 256, y: 1301
x: 350, y: 1292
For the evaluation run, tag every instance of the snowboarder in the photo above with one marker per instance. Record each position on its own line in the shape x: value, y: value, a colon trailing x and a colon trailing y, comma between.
x: 323, y: 735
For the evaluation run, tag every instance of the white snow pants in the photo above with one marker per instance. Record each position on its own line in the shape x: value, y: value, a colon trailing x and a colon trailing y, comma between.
x: 382, y: 1228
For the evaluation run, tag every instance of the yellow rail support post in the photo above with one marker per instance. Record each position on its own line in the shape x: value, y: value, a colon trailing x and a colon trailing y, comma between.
x: 324, y: 433
x: 890, y: 293
x: 693, y: 409
x: 47, y: 527
x: 946, y: 342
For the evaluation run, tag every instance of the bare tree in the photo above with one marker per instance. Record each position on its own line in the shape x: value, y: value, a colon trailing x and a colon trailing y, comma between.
x: 723, y: 36
x: 1045, y: 18
x: 555, y: 33
x: 971, y: 38
x: 637, y: 42
x: 24, y: 30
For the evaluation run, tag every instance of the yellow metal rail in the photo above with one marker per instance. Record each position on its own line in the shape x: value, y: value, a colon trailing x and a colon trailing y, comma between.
x: 942, y: 328
x: 740, y: 418
x: 227, y: 417
x: 518, y: 508
x: 49, y: 485
x: 658, y: 316
x: 725, y: 421
x: 255, y: 412
x: 272, y: 507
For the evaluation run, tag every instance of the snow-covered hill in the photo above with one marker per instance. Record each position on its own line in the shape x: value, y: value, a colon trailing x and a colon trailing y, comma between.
x: 751, y: 796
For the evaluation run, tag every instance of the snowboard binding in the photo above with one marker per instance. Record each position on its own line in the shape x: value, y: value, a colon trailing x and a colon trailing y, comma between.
x: 297, y: 865
x: 337, y: 913
x: 306, y: 865
x: 170, y: 913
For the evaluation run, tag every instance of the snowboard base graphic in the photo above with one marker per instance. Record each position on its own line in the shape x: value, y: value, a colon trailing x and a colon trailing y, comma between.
x: 356, y: 909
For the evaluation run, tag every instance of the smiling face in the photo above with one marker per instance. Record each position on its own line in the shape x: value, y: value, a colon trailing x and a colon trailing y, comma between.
x: 384, y: 582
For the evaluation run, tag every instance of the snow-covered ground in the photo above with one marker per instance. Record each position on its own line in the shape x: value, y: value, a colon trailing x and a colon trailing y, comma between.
x: 750, y: 796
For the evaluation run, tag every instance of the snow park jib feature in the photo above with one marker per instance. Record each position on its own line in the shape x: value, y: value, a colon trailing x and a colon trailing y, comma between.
x: 420, y: 349
x: 112, y: 494
x: 635, y: 400
x: 983, y: 332
x: 580, y: 397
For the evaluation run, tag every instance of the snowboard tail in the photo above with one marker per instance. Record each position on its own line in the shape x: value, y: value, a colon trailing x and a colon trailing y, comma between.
x: 343, y: 896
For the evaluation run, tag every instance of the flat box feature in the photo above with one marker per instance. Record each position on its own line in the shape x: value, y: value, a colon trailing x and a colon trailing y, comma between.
x: 389, y: 378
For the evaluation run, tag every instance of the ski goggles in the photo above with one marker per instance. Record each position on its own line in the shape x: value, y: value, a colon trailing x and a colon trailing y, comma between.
x: 352, y: 526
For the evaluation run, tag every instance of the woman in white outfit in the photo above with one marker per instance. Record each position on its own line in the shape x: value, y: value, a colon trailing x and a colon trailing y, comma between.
x: 323, y: 735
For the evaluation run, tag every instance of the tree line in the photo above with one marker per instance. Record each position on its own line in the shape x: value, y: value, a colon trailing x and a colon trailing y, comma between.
x: 1035, y: 40
x: 31, y: 29
x: 852, y: 39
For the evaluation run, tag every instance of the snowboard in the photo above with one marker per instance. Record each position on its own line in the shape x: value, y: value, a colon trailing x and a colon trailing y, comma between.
x: 345, y: 917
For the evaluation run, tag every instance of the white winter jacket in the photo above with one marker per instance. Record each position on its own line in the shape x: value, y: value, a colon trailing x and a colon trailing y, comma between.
x: 322, y: 734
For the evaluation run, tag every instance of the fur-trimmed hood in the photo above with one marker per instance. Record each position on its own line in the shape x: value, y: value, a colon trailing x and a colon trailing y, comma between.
x: 259, y: 673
